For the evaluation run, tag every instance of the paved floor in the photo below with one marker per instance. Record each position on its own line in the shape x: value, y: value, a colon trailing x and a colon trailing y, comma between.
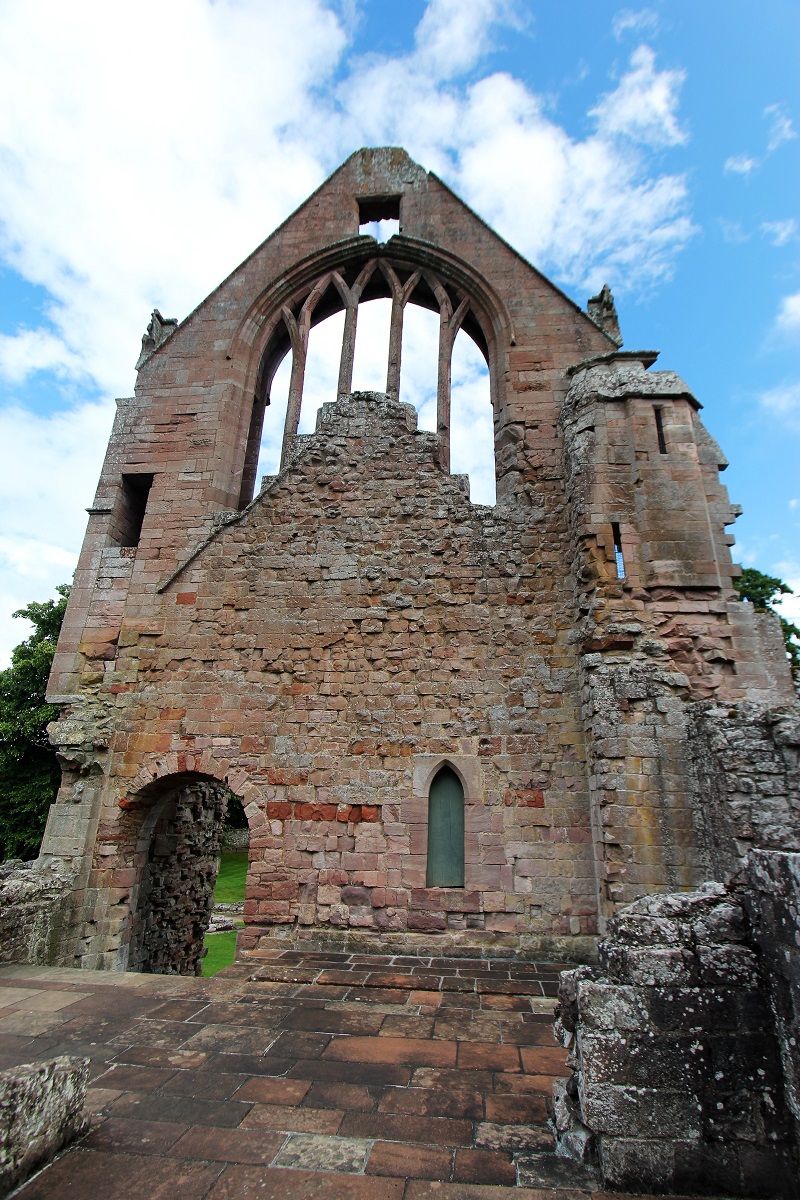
x: 314, y: 1076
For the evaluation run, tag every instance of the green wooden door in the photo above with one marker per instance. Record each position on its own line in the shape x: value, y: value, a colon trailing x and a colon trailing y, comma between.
x: 446, y: 831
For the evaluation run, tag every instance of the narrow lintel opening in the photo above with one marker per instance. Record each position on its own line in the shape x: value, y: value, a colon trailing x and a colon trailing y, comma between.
x: 662, y: 441
x: 131, y: 508
x: 378, y: 208
x: 618, y: 556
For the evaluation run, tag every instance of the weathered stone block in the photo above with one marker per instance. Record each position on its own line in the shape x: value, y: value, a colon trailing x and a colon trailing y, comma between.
x: 639, y: 1059
x: 659, y: 967
x: 36, y: 905
x: 632, y: 1111
x: 609, y: 1007
x: 426, y: 922
x: 41, y: 1110
x: 625, y: 1162
x: 727, y: 965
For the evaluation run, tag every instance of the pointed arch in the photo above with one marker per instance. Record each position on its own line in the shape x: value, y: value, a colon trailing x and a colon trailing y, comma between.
x: 340, y: 278
x: 445, y: 859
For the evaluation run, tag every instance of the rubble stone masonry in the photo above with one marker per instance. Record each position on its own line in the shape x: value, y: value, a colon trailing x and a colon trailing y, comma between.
x: 685, y: 1041
x: 41, y: 1110
x: 677, y: 1083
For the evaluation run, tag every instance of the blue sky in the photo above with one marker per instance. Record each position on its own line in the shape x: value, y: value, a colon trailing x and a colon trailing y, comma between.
x: 146, y: 149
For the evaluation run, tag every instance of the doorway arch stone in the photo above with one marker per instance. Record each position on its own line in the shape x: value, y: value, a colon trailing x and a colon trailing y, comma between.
x: 176, y: 857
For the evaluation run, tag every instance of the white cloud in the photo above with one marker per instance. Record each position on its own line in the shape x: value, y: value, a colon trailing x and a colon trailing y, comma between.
x: 566, y: 203
x: 451, y: 34
x: 794, y: 504
x: 788, y: 318
x: 141, y: 179
x: 783, y: 402
x: 644, y: 104
x: 30, y: 350
x: 781, y: 130
x: 780, y: 126
x: 638, y: 21
x: 733, y: 232
x: 48, y: 472
x: 740, y: 164
x: 779, y: 232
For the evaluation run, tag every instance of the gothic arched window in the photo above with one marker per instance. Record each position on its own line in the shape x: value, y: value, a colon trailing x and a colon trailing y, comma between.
x: 446, y: 830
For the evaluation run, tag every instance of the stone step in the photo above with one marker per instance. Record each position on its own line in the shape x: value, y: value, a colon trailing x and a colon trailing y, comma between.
x: 490, y: 977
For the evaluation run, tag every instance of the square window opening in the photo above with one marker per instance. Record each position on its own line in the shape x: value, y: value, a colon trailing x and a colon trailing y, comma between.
x: 379, y: 217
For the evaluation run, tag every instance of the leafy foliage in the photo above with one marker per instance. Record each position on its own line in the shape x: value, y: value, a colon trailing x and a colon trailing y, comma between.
x: 235, y: 816
x: 29, y: 771
x: 761, y: 590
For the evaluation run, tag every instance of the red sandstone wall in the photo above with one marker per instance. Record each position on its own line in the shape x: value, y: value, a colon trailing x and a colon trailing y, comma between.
x: 360, y: 624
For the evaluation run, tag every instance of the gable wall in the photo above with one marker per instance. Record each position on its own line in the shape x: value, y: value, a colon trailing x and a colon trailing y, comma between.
x: 189, y: 420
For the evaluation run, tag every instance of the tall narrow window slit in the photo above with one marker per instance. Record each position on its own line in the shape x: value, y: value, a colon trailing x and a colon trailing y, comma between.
x: 445, y: 831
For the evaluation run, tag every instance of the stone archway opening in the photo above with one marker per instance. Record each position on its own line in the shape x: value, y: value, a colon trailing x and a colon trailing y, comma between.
x: 471, y: 419
x: 399, y: 279
x: 177, y: 860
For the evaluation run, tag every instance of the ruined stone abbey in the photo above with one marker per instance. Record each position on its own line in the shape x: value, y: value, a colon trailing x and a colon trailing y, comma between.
x: 479, y: 728
x: 456, y: 729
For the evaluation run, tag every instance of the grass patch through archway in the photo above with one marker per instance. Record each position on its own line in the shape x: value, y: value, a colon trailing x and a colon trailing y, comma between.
x: 229, y: 889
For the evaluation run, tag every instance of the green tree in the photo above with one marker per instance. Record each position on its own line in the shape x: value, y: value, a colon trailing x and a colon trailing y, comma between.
x: 761, y: 590
x: 29, y: 771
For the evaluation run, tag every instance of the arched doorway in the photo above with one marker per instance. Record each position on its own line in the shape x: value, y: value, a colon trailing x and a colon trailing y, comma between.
x: 177, y: 857
x: 445, y: 830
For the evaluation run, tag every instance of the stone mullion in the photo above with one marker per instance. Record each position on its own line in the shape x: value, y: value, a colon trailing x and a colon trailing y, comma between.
x: 444, y: 373
x: 443, y: 388
x: 395, y: 348
x: 350, y: 298
x: 449, y: 325
x: 345, y: 385
x: 299, y: 339
x: 400, y: 297
x: 395, y: 333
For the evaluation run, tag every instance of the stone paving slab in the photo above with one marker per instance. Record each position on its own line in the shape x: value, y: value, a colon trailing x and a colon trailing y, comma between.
x: 247, y: 1085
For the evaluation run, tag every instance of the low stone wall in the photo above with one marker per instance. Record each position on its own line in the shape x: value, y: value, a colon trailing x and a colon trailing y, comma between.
x: 41, y: 1110
x: 745, y: 766
x: 772, y: 900
x: 35, y: 905
x: 677, y: 1081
